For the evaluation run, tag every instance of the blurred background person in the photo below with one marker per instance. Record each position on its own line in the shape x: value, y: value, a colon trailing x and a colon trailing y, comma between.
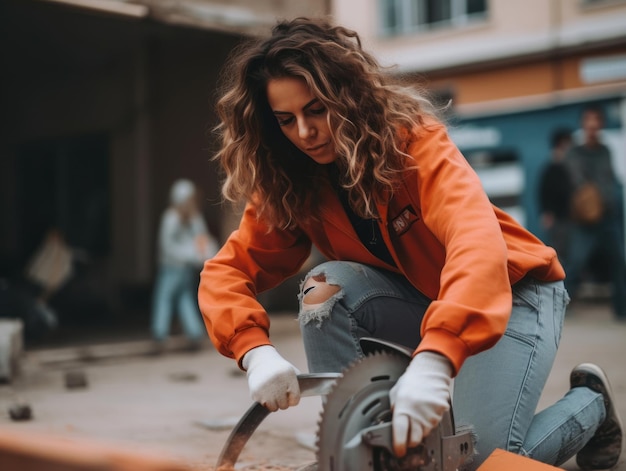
x: 184, y: 243
x: 48, y: 271
x: 555, y: 190
x: 595, y: 211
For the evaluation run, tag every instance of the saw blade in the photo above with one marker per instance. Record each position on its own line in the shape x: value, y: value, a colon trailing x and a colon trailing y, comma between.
x: 358, y: 407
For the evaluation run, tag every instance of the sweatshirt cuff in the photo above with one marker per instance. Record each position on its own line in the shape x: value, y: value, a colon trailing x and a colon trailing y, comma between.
x: 447, y: 344
x: 247, y: 339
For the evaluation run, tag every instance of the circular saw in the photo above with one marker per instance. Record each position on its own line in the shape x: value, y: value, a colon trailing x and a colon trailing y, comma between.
x: 354, y: 431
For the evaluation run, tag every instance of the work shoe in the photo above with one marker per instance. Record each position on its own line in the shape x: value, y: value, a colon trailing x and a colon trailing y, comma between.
x: 604, y: 448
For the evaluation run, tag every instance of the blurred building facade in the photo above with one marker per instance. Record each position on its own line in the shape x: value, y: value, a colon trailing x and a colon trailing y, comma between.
x: 104, y: 103
x: 513, y: 70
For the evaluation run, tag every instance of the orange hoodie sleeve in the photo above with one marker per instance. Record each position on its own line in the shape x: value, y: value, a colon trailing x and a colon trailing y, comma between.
x: 251, y: 261
x: 472, y: 308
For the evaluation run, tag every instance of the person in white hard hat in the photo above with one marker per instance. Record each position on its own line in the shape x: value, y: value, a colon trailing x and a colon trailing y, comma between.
x: 184, y: 243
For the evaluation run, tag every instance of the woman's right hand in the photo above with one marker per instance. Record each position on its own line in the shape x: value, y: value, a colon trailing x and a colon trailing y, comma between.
x: 272, y: 380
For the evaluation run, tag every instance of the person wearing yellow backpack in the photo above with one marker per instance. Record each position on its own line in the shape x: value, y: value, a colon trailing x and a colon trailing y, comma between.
x: 596, y: 220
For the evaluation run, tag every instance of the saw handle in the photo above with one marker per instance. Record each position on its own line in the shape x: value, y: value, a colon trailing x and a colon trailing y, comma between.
x: 310, y: 385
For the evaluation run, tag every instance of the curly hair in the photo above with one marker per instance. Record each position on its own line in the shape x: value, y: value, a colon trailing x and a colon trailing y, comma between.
x: 366, y: 111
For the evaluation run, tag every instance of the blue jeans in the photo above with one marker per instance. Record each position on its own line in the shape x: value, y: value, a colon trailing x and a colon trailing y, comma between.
x: 583, y: 240
x: 174, y: 293
x: 496, y: 391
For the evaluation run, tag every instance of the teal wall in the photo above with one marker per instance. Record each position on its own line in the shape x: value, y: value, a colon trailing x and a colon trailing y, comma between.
x: 528, y: 134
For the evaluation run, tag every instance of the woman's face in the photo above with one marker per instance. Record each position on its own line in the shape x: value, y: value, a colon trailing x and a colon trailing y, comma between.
x: 302, y: 118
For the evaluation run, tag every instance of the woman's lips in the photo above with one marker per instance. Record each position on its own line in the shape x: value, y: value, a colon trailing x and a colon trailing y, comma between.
x: 316, y: 148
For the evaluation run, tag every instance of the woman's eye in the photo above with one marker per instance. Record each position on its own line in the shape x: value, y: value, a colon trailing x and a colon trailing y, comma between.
x: 318, y: 110
x: 285, y: 121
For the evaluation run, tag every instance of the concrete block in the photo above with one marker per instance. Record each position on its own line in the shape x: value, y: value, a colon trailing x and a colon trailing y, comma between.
x: 20, y: 412
x: 75, y: 379
x: 11, y: 348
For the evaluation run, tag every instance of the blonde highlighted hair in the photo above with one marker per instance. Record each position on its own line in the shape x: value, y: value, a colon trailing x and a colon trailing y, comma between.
x: 367, y: 111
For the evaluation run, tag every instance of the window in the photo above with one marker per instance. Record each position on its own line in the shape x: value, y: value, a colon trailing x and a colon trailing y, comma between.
x: 400, y: 17
x: 64, y: 184
x: 597, y: 2
x: 502, y: 175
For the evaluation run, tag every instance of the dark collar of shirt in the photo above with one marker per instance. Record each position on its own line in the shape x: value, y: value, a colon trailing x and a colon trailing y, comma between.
x: 368, y: 230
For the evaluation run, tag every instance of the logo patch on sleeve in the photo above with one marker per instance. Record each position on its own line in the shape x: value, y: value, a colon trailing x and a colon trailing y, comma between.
x: 404, y: 220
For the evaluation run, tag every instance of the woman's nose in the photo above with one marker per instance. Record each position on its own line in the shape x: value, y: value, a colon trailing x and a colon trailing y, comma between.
x: 305, y: 129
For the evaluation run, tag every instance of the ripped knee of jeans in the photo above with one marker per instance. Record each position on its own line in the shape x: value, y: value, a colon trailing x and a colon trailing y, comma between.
x: 317, y: 298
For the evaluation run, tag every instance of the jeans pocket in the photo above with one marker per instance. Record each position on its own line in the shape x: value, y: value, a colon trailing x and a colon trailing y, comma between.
x: 526, y: 293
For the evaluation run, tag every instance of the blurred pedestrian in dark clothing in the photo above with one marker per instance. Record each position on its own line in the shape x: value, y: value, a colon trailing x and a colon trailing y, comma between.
x: 595, y: 210
x: 555, y: 192
x: 184, y: 243
x: 27, y: 296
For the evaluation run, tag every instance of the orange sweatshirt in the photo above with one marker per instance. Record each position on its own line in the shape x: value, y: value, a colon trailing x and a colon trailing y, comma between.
x: 442, y: 231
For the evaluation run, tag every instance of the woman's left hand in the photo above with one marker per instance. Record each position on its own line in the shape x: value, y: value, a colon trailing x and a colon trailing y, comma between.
x: 419, y: 399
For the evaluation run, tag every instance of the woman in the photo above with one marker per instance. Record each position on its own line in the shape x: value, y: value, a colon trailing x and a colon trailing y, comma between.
x: 326, y: 150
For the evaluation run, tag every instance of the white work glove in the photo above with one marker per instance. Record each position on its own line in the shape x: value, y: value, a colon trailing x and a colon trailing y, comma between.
x: 419, y: 399
x: 272, y: 380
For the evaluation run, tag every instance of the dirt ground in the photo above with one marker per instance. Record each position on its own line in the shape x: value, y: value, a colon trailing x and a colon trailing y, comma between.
x: 184, y: 404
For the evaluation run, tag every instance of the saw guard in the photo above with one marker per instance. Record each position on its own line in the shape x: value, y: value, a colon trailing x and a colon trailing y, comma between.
x: 354, y: 432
